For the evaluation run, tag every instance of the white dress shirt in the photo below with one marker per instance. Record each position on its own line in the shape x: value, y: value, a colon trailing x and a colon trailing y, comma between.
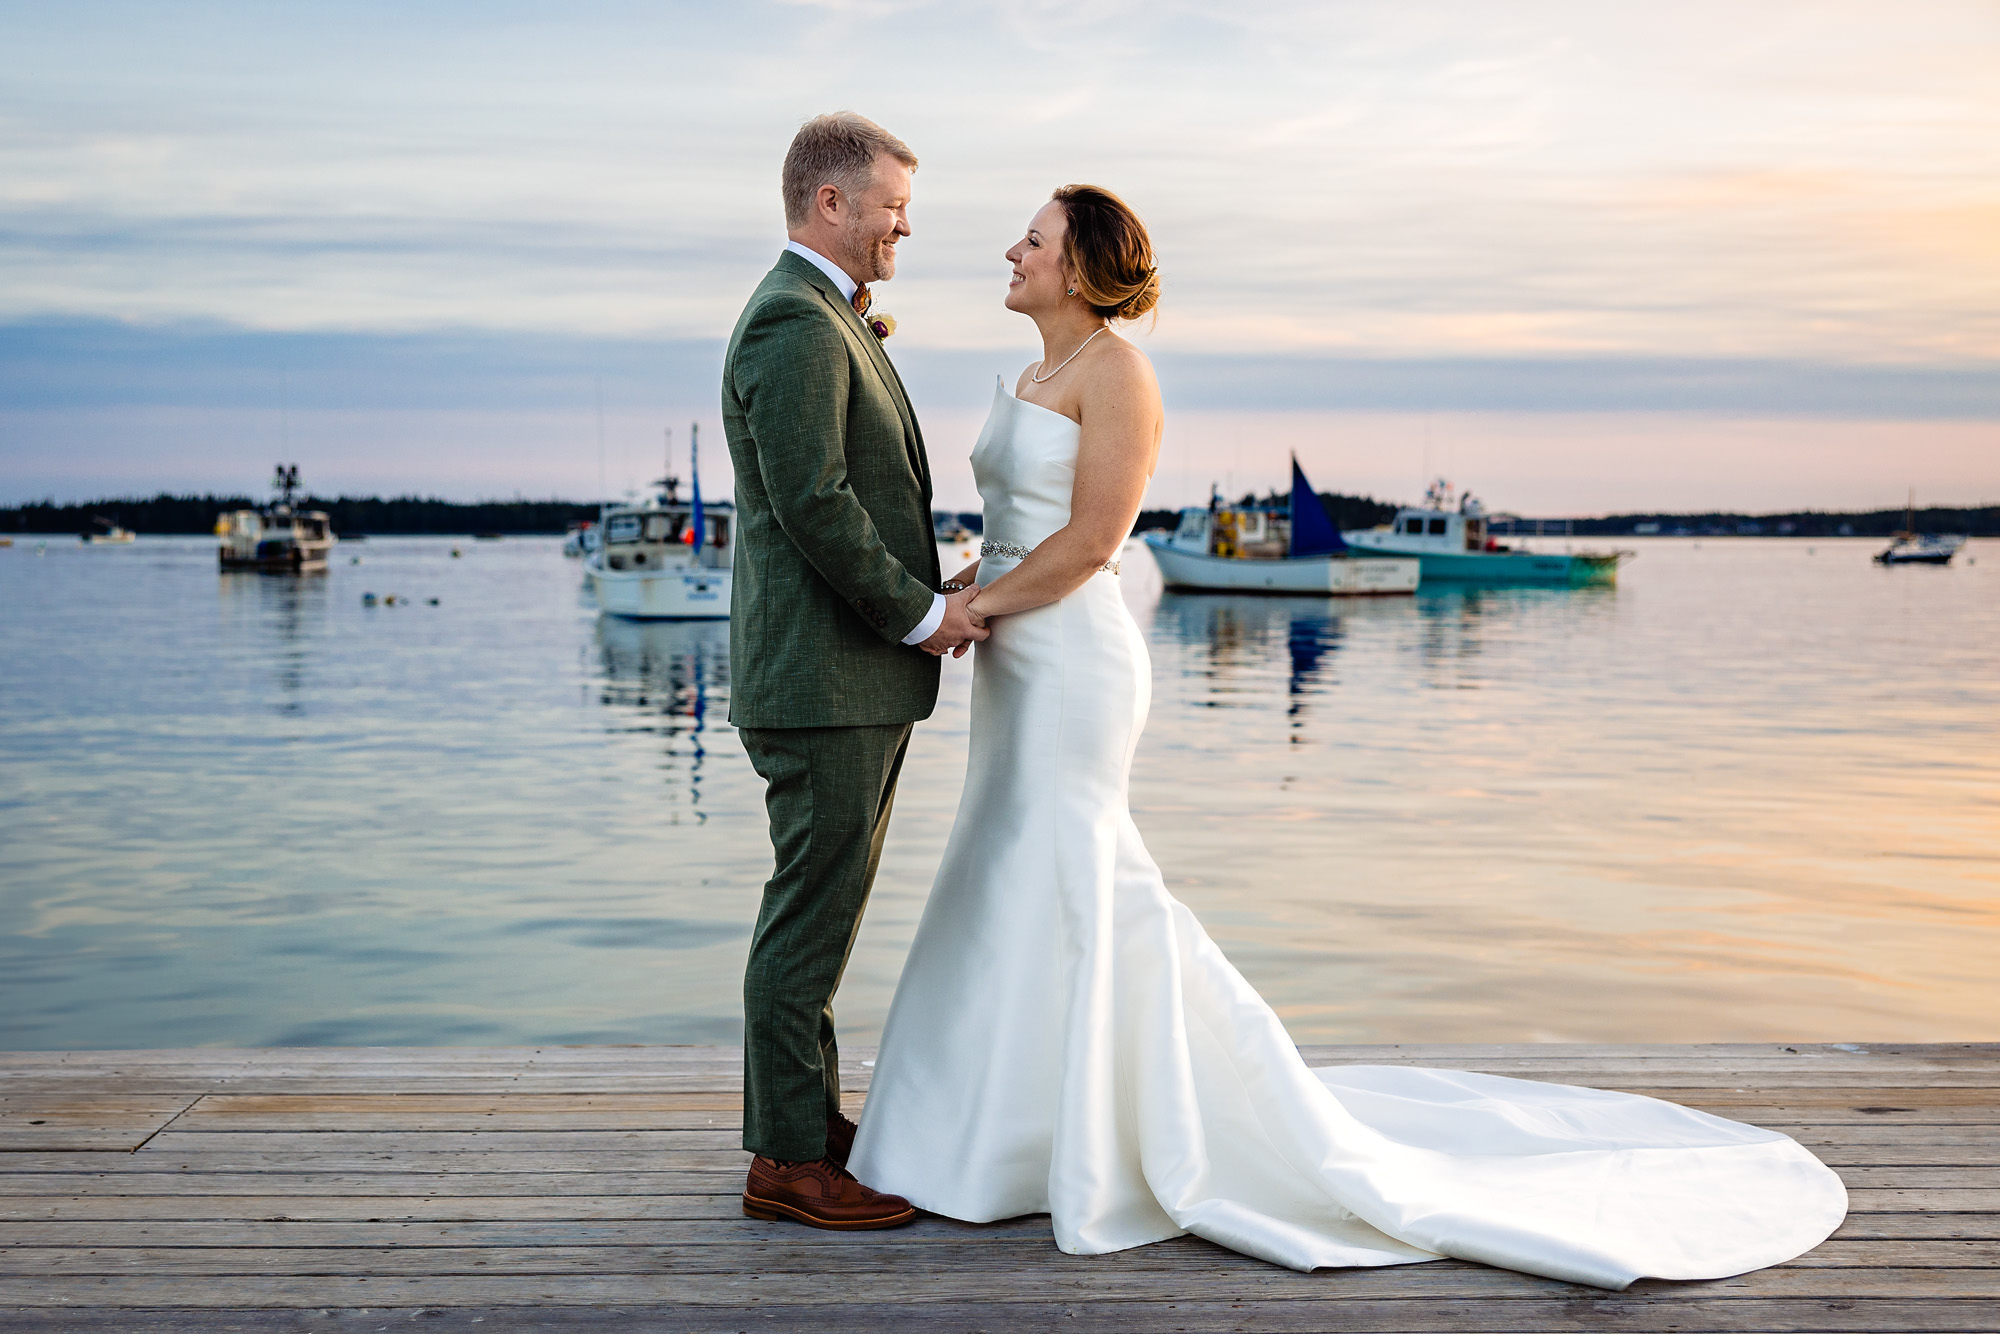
x: 848, y: 287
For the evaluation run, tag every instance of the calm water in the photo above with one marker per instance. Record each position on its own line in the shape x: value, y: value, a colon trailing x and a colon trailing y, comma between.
x: 1752, y: 793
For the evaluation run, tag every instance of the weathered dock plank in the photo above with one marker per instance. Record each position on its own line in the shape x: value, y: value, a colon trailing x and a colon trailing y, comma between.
x: 1633, y: 1311
x: 595, y: 1188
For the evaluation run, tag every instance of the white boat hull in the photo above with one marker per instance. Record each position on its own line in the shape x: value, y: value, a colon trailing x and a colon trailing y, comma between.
x: 1334, y: 576
x: 677, y: 593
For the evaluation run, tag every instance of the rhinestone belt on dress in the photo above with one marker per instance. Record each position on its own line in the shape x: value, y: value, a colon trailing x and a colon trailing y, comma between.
x: 991, y: 548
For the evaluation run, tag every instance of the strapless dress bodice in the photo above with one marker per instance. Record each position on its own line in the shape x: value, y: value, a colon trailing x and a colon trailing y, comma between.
x: 1025, y: 465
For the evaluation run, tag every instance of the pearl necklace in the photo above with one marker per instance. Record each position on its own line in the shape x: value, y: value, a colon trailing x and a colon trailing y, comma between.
x: 1039, y: 379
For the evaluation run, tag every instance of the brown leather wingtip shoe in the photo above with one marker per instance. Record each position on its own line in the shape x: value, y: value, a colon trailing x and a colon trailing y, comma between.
x: 840, y: 1133
x: 819, y: 1194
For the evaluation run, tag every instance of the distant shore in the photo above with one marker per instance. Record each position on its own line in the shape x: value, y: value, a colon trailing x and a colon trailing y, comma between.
x: 414, y: 516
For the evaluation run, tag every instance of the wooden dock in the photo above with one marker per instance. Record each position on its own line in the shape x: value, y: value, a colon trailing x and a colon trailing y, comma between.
x: 595, y: 1188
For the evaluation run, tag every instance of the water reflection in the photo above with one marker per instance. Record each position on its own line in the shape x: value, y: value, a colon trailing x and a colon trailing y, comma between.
x: 1461, y: 623
x: 1236, y: 643
x: 1718, y: 802
x: 668, y: 676
x: 289, y: 614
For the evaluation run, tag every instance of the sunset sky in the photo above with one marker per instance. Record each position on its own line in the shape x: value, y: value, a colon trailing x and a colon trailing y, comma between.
x: 1585, y: 257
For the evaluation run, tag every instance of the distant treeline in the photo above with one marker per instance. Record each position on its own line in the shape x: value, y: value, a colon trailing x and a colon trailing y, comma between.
x: 1346, y: 511
x: 1982, y: 521
x: 353, y: 516
x: 358, y: 516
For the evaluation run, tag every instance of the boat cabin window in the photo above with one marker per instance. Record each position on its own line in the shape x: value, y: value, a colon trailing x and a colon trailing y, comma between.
x: 656, y: 527
x: 1438, y: 527
x: 622, y: 528
x: 1413, y: 525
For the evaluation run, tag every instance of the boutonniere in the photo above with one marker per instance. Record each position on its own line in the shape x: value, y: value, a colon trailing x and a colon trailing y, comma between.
x: 880, y: 323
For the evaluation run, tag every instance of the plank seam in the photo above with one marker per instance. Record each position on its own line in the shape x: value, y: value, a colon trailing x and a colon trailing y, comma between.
x: 158, y: 1131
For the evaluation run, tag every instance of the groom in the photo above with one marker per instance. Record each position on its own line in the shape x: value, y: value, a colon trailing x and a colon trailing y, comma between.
x: 839, y: 622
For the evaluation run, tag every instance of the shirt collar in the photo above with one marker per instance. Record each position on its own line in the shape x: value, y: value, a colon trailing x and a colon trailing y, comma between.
x: 832, y: 270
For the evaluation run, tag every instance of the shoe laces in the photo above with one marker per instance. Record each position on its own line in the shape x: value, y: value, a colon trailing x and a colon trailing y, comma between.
x: 786, y: 1164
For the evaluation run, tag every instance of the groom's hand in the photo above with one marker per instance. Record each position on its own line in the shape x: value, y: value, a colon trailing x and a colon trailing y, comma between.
x: 960, y: 628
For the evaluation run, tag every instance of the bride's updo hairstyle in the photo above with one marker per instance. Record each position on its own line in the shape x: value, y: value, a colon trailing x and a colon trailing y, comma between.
x: 1106, y: 247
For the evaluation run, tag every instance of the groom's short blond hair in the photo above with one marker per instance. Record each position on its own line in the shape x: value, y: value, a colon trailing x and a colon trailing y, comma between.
x: 838, y: 150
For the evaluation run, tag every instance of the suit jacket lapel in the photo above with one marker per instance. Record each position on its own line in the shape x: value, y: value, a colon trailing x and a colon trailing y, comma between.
x: 916, y: 434
x: 885, y: 370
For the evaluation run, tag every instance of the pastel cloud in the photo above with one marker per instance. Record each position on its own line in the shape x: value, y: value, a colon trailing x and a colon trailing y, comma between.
x: 1783, y: 180
x: 1490, y: 204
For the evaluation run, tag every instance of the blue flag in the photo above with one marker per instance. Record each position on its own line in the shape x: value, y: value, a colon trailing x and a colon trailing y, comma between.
x: 694, y: 470
x: 1313, y: 532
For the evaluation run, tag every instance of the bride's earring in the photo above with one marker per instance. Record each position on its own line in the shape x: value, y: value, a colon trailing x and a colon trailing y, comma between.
x: 1072, y: 291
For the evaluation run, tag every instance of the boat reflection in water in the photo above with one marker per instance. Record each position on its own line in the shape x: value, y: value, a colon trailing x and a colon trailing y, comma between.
x: 672, y: 679
x: 285, y: 619
x: 1231, y: 647
x: 1226, y: 651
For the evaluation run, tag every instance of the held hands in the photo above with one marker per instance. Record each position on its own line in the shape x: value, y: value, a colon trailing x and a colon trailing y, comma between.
x: 961, y: 627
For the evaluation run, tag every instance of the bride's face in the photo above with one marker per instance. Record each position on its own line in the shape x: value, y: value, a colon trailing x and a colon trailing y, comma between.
x: 1039, y: 281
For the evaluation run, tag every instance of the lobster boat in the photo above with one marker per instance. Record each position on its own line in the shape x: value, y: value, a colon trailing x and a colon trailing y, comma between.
x: 278, y: 539
x: 1453, y: 543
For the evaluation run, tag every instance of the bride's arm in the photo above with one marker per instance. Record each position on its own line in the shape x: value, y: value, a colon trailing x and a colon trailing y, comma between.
x: 1120, y: 438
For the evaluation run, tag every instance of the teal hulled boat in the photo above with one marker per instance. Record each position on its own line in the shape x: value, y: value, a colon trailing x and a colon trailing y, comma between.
x: 1455, y: 547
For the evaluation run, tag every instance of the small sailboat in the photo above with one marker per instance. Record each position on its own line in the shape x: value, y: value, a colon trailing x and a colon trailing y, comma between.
x: 279, y: 539
x: 662, y: 560
x: 1910, y: 547
x: 1271, y: 549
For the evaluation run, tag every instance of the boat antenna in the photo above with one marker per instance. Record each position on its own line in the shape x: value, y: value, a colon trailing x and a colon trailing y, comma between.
x: 667, y: 482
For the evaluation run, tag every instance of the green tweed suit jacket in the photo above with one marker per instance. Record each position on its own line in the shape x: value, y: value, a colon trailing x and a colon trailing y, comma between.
x: 836, y: 559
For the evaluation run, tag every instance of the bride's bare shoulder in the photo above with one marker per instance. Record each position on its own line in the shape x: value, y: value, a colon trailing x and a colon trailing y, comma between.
x: 1121, y: 372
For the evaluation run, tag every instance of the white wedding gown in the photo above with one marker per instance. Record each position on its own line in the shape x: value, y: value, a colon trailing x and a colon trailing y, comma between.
x: 1066, y: 1038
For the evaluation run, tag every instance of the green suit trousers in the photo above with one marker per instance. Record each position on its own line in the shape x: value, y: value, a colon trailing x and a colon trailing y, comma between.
x: 828, y: 792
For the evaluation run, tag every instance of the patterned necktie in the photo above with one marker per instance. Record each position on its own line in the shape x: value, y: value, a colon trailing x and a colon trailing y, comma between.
x: 862, y: 297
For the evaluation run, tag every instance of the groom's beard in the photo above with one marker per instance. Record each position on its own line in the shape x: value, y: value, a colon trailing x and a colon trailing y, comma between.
x: 872, y: 257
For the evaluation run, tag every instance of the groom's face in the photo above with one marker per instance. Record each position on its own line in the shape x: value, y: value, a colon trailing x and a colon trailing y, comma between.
x: 878, y: 218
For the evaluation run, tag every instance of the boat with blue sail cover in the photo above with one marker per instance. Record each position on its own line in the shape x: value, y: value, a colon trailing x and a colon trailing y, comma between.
x: 1294, y: 548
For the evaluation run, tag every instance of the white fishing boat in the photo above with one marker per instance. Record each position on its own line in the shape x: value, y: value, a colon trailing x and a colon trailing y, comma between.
x: 1266, y: 549
x: 279, y: 539
x: 580, y: 539
x: 105, y: 533
x: 662, y: 559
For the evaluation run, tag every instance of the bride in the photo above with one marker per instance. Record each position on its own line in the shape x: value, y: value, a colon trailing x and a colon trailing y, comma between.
x: 1067, y: 1040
